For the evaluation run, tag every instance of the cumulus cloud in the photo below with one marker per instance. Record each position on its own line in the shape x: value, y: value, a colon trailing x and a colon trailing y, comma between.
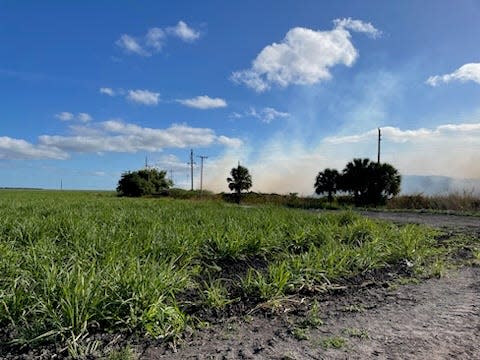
x: 304, y: 56
x: 155, y: 39
x: 144, y: 97
x: 203, y: 102
x: 18, y: 149
x: 107, y: 91
x: 184, y: 32
x: 118, y: 136
x: 467, y: 72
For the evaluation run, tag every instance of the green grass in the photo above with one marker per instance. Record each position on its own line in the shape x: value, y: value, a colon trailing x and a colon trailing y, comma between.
x: 72, y: 263
x: 334, y: 342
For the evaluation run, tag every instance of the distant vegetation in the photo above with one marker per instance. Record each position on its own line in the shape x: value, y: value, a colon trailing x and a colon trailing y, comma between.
x: 143, y: 182
x: 369, y: 183
x: 361, y: 183
x: 464, y: 202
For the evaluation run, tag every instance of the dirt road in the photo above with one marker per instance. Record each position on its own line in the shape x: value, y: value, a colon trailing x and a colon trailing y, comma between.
x: 455, y: 223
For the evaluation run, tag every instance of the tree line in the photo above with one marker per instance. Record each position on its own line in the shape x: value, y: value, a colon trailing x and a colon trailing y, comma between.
x: 369, y: 183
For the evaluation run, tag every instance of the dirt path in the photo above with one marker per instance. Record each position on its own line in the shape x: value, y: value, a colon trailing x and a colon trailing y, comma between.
x: 456, y: 223
x: 436, y: 319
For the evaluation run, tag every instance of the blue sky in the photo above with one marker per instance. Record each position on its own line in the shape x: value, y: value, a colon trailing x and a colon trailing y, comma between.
x: 90, y: 89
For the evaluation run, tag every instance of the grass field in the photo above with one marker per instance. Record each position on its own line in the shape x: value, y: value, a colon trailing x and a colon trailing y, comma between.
x: 75, y: 263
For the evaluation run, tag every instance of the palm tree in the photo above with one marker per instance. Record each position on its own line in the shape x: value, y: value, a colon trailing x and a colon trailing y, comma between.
x: 327, y: 182
x: 240, y: 180
x: 356, y: 178
x: 370, y: 182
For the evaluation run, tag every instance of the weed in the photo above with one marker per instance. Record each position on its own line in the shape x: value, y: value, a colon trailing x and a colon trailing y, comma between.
x: 476, y: 255
x: 300, y: 333
x: 353, y: 308
x: 125, y: 353
x: 312, y: 318
x: 334, y: 342
x: 357, y: 333
x: 216, y: 295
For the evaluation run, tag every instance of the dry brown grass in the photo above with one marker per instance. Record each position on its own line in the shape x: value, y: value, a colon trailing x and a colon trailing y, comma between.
x: 455, y: 201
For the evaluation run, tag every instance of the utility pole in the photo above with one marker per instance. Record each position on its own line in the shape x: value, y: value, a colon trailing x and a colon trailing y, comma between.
x: 61, y: 184
x: 191, y: 168
x: 146, y: 162
x: 201, y: 170
x: 379, y: 140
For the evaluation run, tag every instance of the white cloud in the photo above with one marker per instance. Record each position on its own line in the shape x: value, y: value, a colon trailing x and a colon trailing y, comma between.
x: 357, y: 26
x: 131, y: 45
x: 84, y: 117
x: 117, y: 136
x: 107, y: 91
x: 235, y: 115
x: 467, y: 72
x: 304, y: 56
x: 172, y: 162
x: 155, y: 38
x: 229, y: 142
x: 184, y: 32
x: 266, y: 115
x: 65, y: 116
x: 397, y: 135
x: 144, y: 97
x: 18, y: 149
x: 204, y: 102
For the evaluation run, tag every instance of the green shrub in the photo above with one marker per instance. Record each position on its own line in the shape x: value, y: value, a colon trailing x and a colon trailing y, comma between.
x: 143, y: 182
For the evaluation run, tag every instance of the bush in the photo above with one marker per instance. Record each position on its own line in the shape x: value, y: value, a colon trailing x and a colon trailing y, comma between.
x: 143, y: 182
